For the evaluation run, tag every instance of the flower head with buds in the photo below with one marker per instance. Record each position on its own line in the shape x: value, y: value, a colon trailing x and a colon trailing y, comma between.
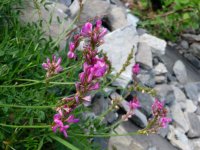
x: 63, y: 125
x: 134, y: 104
x: 94, y: 67
x: 160, y: 113
x: 136, y: 69
x: 53, y: 67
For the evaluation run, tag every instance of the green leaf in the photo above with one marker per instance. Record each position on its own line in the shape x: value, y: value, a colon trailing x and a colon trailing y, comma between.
x: 64, y: 142
x: 40, y: 144
x: 186, y: 16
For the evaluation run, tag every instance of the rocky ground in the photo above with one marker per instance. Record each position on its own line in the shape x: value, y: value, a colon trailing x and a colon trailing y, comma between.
x: 174, y: 76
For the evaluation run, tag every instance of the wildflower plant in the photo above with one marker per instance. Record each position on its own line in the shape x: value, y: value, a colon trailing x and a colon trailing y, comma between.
x: 44, y: 99
x: 94, y: 68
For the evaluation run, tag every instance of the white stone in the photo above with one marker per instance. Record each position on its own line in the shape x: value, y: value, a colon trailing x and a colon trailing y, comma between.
x: 51, y: 26
x: 117, y: 17
x: 144, y: 56
x: 132, y: 19
x: 179, y: 94
x: 189, y: 106
x: 74, y: 8
x: 118, y: 45
x: 195, y: 143
x: 194, y: 123
x: 179, y: 139
x: 158, y: 45
x: 180, y: 71
x: 160, y: 69
x: 179, y: 117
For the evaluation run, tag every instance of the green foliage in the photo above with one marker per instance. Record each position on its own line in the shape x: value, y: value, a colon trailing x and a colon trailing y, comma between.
x: 23, y: 48
x: 175, y: 17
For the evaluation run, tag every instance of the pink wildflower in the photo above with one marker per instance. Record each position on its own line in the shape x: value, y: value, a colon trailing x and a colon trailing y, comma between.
x: 160, y: 113
x: 164, y: 121
x: 58, y: 123
x: 53, y: 67
x: 71, y: 119
x: 136, y: 69
x: 157, y: 107
x: 134, y: 104
x: 86, y: 29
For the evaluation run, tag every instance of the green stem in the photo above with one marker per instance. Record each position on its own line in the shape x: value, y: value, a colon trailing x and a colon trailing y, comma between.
x: 104, y: 135
x: 24, y: 126
x: 21, y: 106
x: 115, y: 124
x: 37, y: 82
x: 101, y: 117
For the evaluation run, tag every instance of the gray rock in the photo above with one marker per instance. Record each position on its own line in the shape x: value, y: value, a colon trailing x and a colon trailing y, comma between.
x: 141, y: 31
x: 123, y: 142
x: 132, y: 19
x: 111, y: 117
x: 160, y: 79
x: 146, y: 102
x: 155, y: 61
x: 51, y: 26
x: 118, y: 45
x: 189, y: 106
x: 138, y: 118
x: 194, y: 123
x: 170, y: 77
x: 192, y: 91
x: 91, y: 9
x: 184, y: 44
x: 99, y: 104
x: 179, y: 117
x: 178, y: 139
x: 179, y: 95
x: 198, y: 111
x: 195, y: 49
x: 147, y: 79
x: 163, y: 131
x: 166, y: 93
x: 102, y: 142
x: 195, y: 143
x: 194, y: 60
x: 89, y: 115
x: 191, y: 37
x: 144, y: 56
x: 117, y: 17
x: 160, y: 69
x: 157, y: 45
x: 137, y: 142
x: 180, y: 71
x: 172, y: 44
x: 74, y: 8
x: 66, y: 2
x: 116, y: 2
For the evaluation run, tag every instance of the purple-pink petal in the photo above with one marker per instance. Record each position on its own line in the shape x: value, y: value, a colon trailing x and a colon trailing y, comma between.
x: 71, y: 55
x: 94, y: 86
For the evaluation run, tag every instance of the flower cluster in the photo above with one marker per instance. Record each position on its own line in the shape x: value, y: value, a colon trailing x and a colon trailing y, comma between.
x: 94, y: 37
x: 53, y: 67
x: 160, y: 113
x: 94, y: 67
x: 62, y: 123
x: 136, y: 69
x: 133, y: 105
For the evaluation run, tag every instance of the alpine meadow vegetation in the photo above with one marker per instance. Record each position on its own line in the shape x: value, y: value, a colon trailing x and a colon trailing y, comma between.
x: 45, y: 91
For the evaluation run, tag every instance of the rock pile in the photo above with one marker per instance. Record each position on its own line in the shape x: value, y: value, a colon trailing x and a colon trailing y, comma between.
x: 189, y: 46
